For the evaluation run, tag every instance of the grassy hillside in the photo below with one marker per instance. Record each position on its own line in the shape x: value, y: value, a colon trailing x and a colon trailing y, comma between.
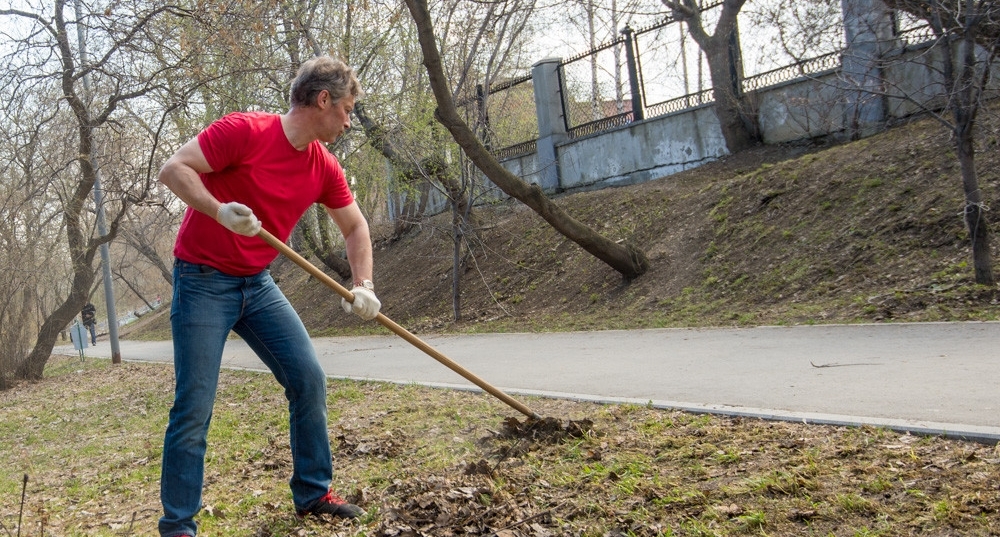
x: 866, y: 231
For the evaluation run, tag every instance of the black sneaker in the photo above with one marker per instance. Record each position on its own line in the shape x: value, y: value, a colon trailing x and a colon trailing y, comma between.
x: 331, y: 504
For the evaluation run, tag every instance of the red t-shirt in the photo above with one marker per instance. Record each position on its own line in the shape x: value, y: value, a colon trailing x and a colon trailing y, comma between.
x: 254, y: 164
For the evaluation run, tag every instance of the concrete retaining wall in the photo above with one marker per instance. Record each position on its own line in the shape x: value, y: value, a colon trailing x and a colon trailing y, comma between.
x: 809, y: 107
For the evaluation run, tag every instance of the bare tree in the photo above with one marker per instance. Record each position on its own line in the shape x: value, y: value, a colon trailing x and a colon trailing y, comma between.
x: 44, y: 60
x: 485, y: 40
x: 625, y: 258
x: 967, y: 38
x: 29, y: 279
x: 802, y: 29
x: 737, y: 117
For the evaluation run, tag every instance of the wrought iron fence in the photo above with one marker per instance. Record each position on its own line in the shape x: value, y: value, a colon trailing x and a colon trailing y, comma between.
x: 608, y: 86
x: 516, y: 150
x: 677, y: 104
x: 916, y: 35
x: 805, y: 68
x: 505, y: 116
x: 601, y: 125
x: 595, y: 89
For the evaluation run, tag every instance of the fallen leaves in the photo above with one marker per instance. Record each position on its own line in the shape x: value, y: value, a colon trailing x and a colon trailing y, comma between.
x: 431, y: 462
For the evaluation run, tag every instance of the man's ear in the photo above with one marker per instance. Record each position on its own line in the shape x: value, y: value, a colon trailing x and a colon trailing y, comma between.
x: 323, y: 99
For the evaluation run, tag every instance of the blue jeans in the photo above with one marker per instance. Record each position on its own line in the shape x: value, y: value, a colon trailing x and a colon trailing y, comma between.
x: 207, y: 304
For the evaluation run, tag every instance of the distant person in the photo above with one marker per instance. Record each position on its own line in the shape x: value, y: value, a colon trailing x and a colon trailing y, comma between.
x: 243, y: 171
x: 89, y: 317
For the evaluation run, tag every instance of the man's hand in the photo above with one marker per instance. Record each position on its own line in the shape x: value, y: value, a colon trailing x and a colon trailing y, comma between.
x: 366, y: 304
x: 238, y: 218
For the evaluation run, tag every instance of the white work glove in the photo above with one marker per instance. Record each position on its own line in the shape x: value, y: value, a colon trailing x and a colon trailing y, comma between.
x: 238, y: 218
x: 366, y: 304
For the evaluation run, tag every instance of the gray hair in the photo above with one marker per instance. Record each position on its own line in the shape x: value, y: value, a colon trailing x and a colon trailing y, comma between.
x: 324, y: 73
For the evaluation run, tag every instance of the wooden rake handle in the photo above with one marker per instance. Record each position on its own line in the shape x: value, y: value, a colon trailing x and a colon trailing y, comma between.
x: 398, y: 330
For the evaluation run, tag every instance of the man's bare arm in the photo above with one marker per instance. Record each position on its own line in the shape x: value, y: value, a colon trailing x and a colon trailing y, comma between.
x: 357, y: 238
x: 180, y: 174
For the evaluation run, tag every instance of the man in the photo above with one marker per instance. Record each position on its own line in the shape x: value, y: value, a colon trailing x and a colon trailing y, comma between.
x: 89, y: 317
x: 245, y: 171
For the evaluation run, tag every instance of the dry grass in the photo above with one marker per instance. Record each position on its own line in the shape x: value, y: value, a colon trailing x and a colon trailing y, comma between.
x: 426, y: 461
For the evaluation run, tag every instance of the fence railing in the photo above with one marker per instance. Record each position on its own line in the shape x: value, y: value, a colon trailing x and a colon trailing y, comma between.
x: 677, y: 104
x: 810, y: 67
x: 593, y: 115
x: 601, y: 125
x: 516, y: 150
x: 504, y: 134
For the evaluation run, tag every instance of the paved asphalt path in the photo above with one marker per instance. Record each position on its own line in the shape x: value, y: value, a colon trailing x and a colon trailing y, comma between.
x: 926, y: 378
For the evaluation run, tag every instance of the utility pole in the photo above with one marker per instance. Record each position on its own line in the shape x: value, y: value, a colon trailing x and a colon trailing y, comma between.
x: 102, y: 230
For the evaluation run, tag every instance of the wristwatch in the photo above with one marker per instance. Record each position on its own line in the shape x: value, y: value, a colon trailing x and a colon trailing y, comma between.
x: 367, y: 284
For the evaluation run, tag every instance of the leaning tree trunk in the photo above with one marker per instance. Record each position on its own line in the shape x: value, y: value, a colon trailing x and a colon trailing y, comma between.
x: 147, y: 251
x: 317, y: 241
x: 625, y: 258
x: 34, y: 364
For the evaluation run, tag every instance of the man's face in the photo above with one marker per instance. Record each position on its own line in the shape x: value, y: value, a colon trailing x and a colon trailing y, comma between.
x: 335, y: 116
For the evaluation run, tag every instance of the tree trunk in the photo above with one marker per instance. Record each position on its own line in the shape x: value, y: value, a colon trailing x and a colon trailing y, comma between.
x: 34, y: 364
x: 737, y: 122
x: 624, y: 258
x: 737, y: 119
x: 457, y: 237
x: 147, y: 251
x: 135, y: 291
x: 965, y: 25
x: 975, y: 212
x: 965, y: 105
x: 318, y: 242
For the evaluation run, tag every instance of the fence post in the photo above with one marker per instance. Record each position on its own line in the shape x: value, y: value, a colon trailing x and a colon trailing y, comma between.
x: 868, y: 28
x: 638, y: 106
x: 551, y: 121
x: 483, y: 118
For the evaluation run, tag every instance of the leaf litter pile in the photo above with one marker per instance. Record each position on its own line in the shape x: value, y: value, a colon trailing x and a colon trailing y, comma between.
x: 425, y: 461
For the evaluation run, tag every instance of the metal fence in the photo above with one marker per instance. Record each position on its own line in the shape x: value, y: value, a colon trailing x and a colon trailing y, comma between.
x: 668, y: 66
x: 512, y: 120
x: 595, y: 89
x: 642, y: 73
x: 808, y: 68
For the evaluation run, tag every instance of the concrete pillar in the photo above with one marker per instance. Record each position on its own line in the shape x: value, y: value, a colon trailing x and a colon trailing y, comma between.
x: 551, y: 121
x: 868, y: 28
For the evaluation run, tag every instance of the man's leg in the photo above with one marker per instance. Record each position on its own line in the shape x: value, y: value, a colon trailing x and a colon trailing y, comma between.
x: 205, y: 306
x: 275, y: 332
